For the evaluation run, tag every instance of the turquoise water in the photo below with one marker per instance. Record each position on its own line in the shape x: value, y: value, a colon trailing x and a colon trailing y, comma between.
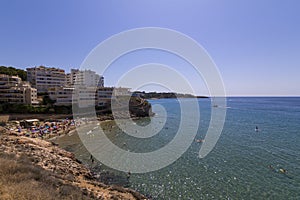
x: 238, y: 166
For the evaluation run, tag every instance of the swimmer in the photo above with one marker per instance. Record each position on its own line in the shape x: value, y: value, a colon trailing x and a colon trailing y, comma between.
x: 281, y: 170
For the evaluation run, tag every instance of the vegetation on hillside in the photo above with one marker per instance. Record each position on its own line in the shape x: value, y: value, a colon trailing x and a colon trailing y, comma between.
x: 138, y: 107
x: 20, y: 179
x: 28, y: 109
x: 14, y: 72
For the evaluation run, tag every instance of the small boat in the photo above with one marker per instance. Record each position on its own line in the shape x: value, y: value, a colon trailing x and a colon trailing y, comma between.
x: 215, y: 105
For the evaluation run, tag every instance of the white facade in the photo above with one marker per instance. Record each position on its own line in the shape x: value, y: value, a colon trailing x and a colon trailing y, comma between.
x: 43, y: 78
x: 85, y: 96
x: 66, y: 96
x: 62, y: 95
x: 105, y: 94
x: 87, y: 78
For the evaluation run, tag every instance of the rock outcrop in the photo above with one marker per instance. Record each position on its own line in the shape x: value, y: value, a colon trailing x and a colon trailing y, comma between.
x: 131, y: 107
x: 140, y: 107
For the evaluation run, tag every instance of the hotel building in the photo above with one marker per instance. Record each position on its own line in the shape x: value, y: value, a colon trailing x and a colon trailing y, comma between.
x: 105, y: 94
x: 81, y: 87
x: 43, y: 78
x: 14, y: 90
x: 88, y: 78
x: 66, y: 96
x: 85, y: 96
x: 62, y: 95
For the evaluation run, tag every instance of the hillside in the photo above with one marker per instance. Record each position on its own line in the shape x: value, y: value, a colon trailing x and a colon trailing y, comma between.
x: 13, y: 72
x: 31, y: 168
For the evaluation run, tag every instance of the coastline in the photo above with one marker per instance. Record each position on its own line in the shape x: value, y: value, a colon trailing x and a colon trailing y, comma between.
x: 63, y: 164
x: 18, y: 116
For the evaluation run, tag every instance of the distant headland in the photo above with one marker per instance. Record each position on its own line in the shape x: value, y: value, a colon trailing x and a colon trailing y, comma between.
x: 164, y: 95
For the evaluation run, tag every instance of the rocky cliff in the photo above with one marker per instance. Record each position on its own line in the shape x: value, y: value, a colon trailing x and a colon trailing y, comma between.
x: 59, y: 164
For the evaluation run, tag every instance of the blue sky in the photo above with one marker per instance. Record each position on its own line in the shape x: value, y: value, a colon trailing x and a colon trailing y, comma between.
x: 254, y: 43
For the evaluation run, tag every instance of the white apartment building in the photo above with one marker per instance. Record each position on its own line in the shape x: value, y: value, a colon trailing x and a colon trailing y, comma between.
x: 71, y: 77
x: 105, y: 94
x: 85, y: 96
x: 43, y: 78
x: 66, y: 96
x: 62, y: 95
x: 87, y: 78
x: 14, y: 90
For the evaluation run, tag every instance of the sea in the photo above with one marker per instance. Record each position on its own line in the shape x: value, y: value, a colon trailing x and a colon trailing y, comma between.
x: 244, y: 163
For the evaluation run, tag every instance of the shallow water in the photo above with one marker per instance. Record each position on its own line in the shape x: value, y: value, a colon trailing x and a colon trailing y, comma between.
x: 237, y: 168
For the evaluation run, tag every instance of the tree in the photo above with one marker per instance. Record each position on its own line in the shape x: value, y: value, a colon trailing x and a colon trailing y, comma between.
x: 14, y: 72
x: 47, y: 100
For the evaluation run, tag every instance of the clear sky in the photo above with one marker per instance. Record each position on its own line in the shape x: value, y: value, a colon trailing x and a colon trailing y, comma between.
x: 254, y: 43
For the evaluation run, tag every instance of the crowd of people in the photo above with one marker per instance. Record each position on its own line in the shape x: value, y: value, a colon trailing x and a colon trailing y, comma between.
x: 46, y: 129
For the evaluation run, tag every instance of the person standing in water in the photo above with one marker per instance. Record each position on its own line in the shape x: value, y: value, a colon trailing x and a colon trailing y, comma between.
x: 128, y: 175
x: 92, y: 158
x: 256, y: 129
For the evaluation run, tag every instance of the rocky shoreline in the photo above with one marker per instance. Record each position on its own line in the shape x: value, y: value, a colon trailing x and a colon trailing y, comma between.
x: 62, y: 165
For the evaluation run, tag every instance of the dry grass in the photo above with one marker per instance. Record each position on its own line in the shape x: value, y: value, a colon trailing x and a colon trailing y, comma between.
x: 4, y: 118
x: 20, y: 179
